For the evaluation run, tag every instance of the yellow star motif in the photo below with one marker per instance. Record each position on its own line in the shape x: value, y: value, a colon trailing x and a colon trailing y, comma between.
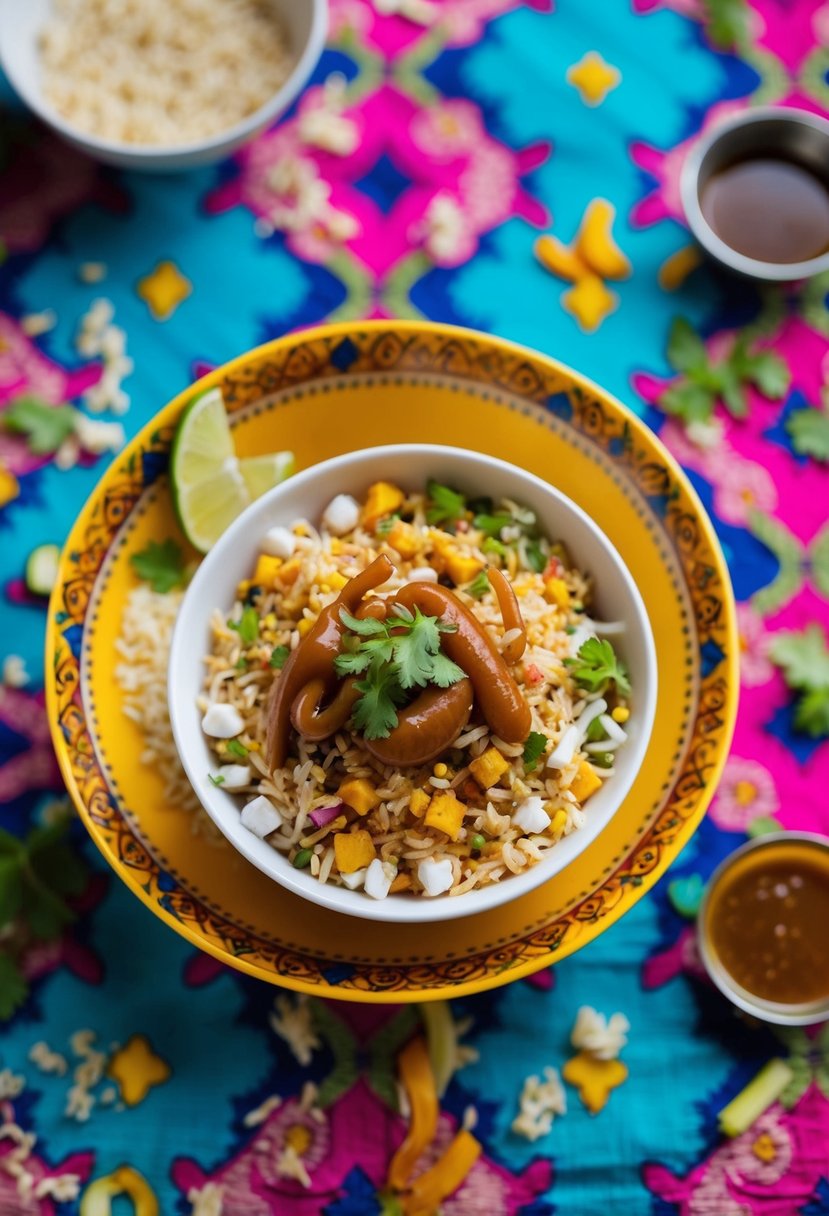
x: 593, y: 78
x: 164, y: 289
x: 136, y: 1069
x: 98, y: 1196
x: 677, y: 266
x: 594, y: 1079
x: 592, y: 257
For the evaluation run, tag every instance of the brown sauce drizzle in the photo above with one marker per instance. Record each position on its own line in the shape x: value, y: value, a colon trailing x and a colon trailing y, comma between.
x: 309, y: 695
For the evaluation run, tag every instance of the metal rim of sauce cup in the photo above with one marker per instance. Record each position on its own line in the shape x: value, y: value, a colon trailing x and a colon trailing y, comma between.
x: 804, y: 1014
x: 768, y: 131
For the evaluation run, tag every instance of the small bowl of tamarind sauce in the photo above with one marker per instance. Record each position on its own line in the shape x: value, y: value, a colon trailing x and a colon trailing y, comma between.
x: 764, y: 928
x: 755, y: 191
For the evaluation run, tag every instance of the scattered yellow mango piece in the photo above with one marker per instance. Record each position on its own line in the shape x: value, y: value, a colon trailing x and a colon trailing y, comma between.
x: 353, y: 851
x: 418, y: 803
x: 594, y: 1079
x: 383, y: 498
x: 359, y: 794
x: 557, y: 592
x: 585, y: 782
x: 462, y: 568
x: 265, y: 570
x: 595, y: 244
x: 304, y: 627
x: 675, y: 269
x: 289, y: 573
x: 404, y: 538
x: 401, y: 882
x: 489, y: 767
x: 594, y: 78
x: 445, y: 813
x: 136, y: 1068
x: 337, y: 581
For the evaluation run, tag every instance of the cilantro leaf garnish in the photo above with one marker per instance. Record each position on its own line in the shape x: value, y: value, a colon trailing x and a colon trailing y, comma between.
x: 160, y: 565
x: 235, y: 748
x: 393, y: 656
x: 447, y: 506
x: 534, y: 748
x: 479, y: 585
x: 45, y: 426
x: 247, y: 626
x: 804, y: 660
x: 596, y: 665
x: 491, y: 525
x: 279, y: 657
x: 375, y: 713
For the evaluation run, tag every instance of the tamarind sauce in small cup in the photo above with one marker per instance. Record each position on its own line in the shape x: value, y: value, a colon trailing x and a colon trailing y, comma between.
x: 764, y: 927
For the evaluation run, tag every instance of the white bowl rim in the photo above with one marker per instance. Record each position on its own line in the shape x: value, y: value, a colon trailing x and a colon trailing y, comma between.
x: 227, y: 138
x: 400, y: 909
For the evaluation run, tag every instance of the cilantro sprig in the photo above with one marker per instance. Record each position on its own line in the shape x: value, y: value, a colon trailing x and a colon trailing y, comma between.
x: 37, y: 875
x: 394, y: 657
x: 535, y: 746
x: 160, y: 565
x: 596, y: 665
x: 804, y: 661
x: 247, y: 626
x: 702, y: 382
x: 446, y: 506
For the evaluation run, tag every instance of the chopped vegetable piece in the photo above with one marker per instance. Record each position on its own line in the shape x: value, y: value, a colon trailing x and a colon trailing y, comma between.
x: 359, y: 794
x: 738, y: 1116
x: 217, y: 780
x: 247, y: 626
x: 418, y: 803
x: 491, y: 545
x: 595, y: 731
x: 447, y: 505
x: 302, y: 859
x: 479, y: 585
x: 534, y: 748
x: 382, y: 499
x: 597, y: 665
x: 279, y: 656
x: 353, y: 851
x: 436, y: 876
x: 536, y: 557
x: 489, y: 767
x: 160, y: 565
x: 42, y: 569
x: 445, y: 813
x: 491, y: 525
x: 404, y: 537
x: 235, y: 748
x: 604, y: 759
x: 557, y: 592
x: 585, y: 782
x: 477, y: 842
x: 323, y: 815
x: 265, y: 569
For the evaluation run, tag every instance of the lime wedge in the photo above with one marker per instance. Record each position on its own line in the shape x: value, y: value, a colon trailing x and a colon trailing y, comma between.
x: 208, y: 488
x: 261, y: 473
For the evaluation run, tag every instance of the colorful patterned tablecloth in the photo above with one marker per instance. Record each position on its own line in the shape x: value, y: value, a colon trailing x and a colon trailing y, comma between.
x: 130, y: 1066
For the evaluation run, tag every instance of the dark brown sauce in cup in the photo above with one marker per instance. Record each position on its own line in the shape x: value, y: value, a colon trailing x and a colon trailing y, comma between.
x: 771, y: 210
x: 767, y: 921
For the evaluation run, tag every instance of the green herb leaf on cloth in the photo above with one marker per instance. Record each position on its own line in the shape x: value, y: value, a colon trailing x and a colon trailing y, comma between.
x: 45, y: 426
x: 804, y: 660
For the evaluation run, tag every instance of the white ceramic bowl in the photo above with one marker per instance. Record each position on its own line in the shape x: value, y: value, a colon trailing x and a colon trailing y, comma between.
x: 305, y: 23
x: 306, y: 496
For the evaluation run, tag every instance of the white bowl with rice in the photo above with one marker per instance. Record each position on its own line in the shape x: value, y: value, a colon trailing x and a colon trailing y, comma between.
x: 160, y: 85
x: 485, y: 824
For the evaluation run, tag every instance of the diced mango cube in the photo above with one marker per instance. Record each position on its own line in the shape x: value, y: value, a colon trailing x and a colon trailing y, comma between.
x: 353, y: 851
x: 336, y: 581
x: 401, y: 882
x: 585, y: 782
x: 404, y: 538
x: 383, y: 498
x: 359, y: 794
x: 418, y: 803
x: 266, y: 568
x: 557, y: 592
x: 445, y: 813
x: 489, y: 767
x: 287, y: 575
x: 462, y: 567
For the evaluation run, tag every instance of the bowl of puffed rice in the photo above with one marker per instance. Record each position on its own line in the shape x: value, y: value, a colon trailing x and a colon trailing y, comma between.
x: 160, y: 85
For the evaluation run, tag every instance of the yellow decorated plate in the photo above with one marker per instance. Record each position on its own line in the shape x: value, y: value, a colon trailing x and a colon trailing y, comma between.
x: 328, y: 391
